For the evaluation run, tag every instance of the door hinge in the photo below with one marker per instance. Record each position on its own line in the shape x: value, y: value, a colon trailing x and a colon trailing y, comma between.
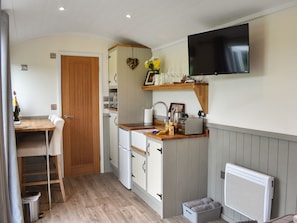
x: 160, y: 150
x: 160, y: 195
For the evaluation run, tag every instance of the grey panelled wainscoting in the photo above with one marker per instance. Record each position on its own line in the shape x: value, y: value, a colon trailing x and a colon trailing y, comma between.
x: 270, y: 153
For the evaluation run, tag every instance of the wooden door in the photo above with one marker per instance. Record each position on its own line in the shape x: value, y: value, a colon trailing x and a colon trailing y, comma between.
x: 80, y: 109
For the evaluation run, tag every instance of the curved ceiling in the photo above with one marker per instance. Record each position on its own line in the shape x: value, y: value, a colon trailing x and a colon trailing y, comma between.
x: 153, y: 23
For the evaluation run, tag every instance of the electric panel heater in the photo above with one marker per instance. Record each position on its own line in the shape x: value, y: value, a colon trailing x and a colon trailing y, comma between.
x: 248, y: 192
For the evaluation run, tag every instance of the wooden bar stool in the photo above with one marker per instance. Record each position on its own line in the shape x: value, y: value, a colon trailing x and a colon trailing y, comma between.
x: 32, y: 145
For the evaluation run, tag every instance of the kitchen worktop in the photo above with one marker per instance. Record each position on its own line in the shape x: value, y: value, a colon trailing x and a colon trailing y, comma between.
x: 175, y: 136
x: 137, y: 126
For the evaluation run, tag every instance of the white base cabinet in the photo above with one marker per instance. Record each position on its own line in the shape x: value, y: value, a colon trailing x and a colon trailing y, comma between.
x: 154, y: 172
x: 139, y: 169
x: 176, y: 172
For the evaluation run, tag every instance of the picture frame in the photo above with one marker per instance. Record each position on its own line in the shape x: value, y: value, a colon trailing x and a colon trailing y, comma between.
x: 149, y: 80
x: 180, y: 107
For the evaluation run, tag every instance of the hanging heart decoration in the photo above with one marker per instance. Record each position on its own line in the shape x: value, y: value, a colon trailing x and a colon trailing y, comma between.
x: 132, y: 62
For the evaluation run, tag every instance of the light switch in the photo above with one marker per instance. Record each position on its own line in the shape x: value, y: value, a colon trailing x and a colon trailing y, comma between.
x: 24, y: 67
x: 53, y: 106
x: 53, y: 55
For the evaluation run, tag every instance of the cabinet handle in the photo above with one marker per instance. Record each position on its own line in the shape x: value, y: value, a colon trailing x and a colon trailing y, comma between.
x: 160, y: 195
x: 148, y: 149
x: 115, y: 121
x: 160, y: 150
x: 132, y: 175
x: 115, y: 78
x: 143, y: 166
x: 132, y: 156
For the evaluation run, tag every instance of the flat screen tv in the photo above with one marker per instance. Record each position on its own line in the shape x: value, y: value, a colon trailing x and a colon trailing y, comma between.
x: 221, y: 51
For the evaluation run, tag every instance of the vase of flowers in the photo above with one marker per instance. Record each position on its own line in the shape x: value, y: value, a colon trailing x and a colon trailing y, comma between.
x: 153, y: 64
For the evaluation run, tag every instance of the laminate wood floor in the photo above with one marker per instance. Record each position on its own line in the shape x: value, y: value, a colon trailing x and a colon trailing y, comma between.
x: 99, y: 198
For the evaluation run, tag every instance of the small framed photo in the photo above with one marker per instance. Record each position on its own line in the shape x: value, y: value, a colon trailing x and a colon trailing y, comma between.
x: 149, y: 80
x: 177, y: 107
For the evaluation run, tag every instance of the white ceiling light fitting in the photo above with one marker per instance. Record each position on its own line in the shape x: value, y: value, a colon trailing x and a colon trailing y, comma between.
x: 128, y: 16
x: 61, y: 8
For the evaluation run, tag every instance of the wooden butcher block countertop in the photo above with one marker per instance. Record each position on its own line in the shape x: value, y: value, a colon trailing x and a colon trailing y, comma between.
x: 138, y: 126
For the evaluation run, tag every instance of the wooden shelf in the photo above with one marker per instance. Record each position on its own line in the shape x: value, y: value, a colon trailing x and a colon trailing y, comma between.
x: 200, y: 89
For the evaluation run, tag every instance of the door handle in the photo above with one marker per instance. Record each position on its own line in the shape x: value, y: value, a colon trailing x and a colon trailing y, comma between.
x: 68, y: 116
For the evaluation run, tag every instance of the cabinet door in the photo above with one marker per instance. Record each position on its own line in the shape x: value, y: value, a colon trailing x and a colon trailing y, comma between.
x: 139, y: 169
x: 113, y: 137
x: 134, y: 167
x: 142, y: 171
x: 154, y: 169
x: 112, y: 68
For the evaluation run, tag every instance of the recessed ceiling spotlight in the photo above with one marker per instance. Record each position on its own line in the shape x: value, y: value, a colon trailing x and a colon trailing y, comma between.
x: 128, y: 16
x: 61, y: 8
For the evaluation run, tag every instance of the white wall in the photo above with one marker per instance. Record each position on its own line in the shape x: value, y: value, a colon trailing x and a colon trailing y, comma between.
x: 265, y: 99
x: 38, y: 87
x: 174, y: 59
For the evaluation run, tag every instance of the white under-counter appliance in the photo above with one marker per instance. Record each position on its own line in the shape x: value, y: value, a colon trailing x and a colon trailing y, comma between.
x: 125, y: 158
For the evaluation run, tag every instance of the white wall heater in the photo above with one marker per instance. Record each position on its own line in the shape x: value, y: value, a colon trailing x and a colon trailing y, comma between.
x: 248, y: 192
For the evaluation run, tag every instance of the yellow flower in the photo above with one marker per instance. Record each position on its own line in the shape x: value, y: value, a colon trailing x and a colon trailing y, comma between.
x: 153, y: 64
x: 146, y: 64
x: 156, y: 63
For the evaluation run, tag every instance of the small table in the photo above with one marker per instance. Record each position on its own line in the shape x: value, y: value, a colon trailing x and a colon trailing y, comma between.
x: 39, y: 125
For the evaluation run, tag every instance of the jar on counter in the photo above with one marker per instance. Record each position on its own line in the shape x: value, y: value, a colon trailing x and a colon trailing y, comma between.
x: 171, y: 129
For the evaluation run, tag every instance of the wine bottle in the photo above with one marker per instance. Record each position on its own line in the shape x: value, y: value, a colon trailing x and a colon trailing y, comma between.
x: 17, y: 109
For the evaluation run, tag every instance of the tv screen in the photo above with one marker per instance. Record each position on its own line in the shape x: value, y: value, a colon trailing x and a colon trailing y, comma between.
x: 221, y: 51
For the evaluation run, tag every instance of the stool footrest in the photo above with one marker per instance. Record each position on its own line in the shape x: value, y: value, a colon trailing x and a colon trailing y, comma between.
x: 43, y: 182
